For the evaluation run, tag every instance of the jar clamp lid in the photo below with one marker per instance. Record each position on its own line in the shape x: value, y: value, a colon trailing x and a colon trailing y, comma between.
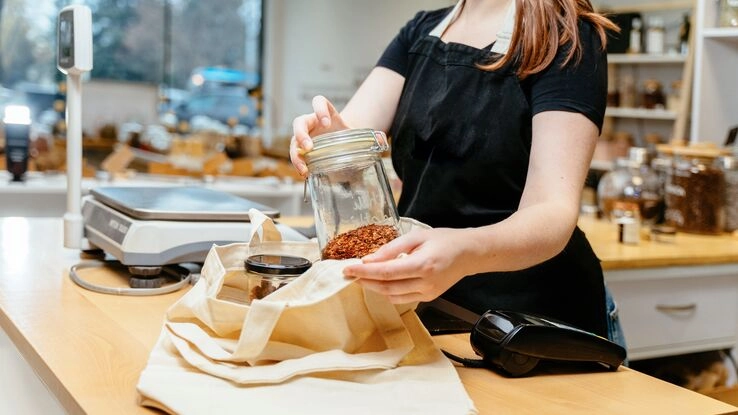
x: 346, y: 143
x: 277, y: 264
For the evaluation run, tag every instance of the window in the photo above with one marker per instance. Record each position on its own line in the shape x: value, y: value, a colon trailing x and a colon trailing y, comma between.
x: 159, y: 43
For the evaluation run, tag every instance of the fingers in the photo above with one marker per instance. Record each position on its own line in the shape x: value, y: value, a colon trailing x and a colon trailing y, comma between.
x: 301, y: 127
x: 301, y: 141
x: 324, y: 117
x: 324, y: 110
x: 296, y: 158
x: 404, y: 267
x: 395, y: 248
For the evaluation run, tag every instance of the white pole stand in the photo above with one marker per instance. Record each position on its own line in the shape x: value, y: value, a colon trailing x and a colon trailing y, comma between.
x: 73, y: 225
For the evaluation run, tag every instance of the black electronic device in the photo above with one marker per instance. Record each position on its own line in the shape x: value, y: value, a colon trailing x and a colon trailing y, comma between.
x: 16, y: 150
x: 516, y: 342
x: 74, y: 36
x: 17, y: 120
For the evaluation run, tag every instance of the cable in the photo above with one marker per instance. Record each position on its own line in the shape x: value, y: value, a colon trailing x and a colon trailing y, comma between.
x: 475, y: 363
x: 183, y: 281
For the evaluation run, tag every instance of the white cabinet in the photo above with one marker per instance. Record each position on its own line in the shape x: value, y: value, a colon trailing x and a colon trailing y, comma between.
x: 715, y: 99
x: 668, y: 311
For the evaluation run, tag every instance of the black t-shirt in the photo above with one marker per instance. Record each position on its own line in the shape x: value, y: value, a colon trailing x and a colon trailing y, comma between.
x: 462, y: 152
x: 580, y: 86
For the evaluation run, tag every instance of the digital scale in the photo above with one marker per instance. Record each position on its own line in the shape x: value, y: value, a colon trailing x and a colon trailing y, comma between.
x: 151, y: 231
x: 154, y: 226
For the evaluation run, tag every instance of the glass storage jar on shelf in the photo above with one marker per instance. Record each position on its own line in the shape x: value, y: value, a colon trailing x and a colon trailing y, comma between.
x: 695, y: 190
x: 355, y: 211
x: 653, y: 95
x: 729, y: 166
x: 632, y: 182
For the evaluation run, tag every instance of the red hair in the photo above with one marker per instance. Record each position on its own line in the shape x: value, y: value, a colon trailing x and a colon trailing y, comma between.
x: 543, y: 26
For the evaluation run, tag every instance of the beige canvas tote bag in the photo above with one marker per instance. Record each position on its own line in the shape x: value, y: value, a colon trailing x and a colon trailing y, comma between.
x: 319, y: 345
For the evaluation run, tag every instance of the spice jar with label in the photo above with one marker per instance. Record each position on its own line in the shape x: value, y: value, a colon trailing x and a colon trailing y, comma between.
x: 268, y: 273
x: 695, y: 190
x: 626, y: 216
x: 729, y: 166
x: 355, y: 211
x: 631, y: 183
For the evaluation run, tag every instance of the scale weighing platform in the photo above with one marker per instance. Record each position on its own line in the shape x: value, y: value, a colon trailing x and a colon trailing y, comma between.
x: 154, y: 226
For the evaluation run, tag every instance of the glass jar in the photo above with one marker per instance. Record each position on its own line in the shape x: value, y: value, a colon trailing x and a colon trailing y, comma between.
x: 729, y: 13
x: 729, y: 166
x: 268, y: 273
x: 655, y: 35
x: 628, y: 92
x: 355, y: 211
x: 661, y: 166
x: 673, y: 101
x: 695, y: 192
x: 653, y: 95
x: 631, y: 182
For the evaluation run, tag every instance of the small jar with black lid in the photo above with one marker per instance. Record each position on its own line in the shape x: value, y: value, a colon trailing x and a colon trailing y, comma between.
x: 267, y: 273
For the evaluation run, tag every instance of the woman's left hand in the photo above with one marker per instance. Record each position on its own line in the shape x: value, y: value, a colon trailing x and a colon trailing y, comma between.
x: 418, y: 266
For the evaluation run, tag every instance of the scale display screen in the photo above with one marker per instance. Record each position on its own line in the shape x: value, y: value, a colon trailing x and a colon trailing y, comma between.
x: 66, y: 39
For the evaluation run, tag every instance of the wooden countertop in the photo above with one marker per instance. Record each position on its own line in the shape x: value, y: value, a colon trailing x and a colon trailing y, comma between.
x: 687, y: 249
x: 90, y: 348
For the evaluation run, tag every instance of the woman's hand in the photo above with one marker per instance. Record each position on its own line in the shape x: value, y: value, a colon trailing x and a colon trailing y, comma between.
x: 323, y: 120
x: 418, y: 266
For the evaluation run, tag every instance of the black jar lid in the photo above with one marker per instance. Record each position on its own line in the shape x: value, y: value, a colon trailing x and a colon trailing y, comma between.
x: 277, y: 264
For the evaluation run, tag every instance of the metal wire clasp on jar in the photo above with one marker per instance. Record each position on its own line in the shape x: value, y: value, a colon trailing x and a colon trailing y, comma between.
x: 354, y: 209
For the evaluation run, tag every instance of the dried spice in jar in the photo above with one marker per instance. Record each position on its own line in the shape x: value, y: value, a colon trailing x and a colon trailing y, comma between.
x: 359, y: 242
x: 695, y: 195
x: 268, y: 273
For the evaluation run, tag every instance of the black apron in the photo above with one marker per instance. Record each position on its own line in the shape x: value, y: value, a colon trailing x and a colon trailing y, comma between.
x: 461, y: 142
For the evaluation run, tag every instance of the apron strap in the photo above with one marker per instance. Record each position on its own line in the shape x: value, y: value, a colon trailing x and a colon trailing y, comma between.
x: 504, y: 36
x: 501, y: 45
x: 446, y: 22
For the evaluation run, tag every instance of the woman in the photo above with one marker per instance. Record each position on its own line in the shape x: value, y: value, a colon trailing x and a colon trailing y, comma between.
x: 494, y: 108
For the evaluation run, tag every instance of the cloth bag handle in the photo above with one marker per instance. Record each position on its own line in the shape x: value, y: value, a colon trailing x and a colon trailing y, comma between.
x: 263, y: 228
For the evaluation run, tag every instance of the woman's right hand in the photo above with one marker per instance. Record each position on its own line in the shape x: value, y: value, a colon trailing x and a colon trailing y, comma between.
x: 323, y: 120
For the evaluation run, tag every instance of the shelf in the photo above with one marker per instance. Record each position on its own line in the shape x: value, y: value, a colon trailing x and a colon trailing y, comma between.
x: 641, y: 113
x: 721, y: 33
x: 635, y: 58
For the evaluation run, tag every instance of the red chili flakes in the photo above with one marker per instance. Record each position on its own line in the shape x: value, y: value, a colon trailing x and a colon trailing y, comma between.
x: 359, y: 242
